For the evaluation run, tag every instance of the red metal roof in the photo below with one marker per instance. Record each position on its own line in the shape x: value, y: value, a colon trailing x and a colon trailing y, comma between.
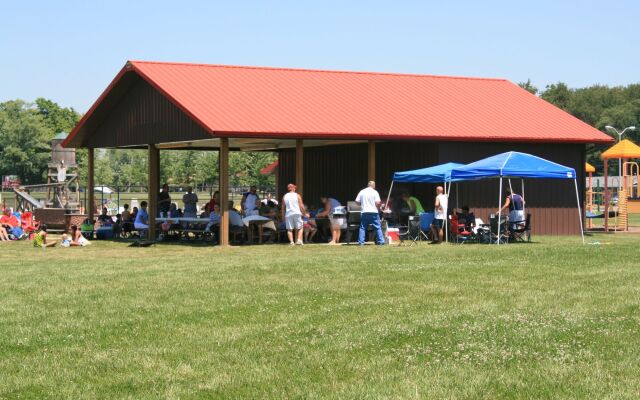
x: 294, y: 103
x: 269, y: 169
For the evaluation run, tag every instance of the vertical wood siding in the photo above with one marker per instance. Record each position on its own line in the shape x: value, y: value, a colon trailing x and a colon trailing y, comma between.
x: 144, y: 116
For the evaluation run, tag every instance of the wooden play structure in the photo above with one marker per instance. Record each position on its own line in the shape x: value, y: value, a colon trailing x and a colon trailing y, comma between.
x: 628, y: 201
x: 62, y: 188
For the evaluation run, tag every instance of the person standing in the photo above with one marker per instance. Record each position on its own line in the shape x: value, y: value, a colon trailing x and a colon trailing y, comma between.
x: 369, y: 200
x: 336, y: 221
x: 249, y: 200
x: 440, y: 215
x: 292, y: 211
x: 164, y: 201
x: 190, y: 201
x: 515, y: 203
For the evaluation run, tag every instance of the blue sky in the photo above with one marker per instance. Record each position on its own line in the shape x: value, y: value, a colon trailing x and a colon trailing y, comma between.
x: 69, y: 53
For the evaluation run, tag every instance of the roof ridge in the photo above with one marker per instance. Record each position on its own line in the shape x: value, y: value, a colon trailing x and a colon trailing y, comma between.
x: 319, y: 70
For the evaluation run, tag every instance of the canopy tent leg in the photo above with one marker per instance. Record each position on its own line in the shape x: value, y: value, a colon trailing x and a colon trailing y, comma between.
x: 446, y: 213
x: 523, y: 202
x: 575, y: 181
x: 386, y: 204
x: 499, y: 209
x: 606, y: 197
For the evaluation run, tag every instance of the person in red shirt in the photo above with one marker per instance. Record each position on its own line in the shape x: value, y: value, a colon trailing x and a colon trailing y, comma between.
x: 11, y: 223
x: 9, y: 220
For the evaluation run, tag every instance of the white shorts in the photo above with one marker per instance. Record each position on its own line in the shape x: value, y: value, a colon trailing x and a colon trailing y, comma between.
x: 337, y: 222
x: 82, y: 241
x: 293, y: 221
x: 139, y: 225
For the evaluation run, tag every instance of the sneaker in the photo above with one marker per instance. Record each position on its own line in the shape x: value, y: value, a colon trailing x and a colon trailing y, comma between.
x: 300, y: 242
x: 292, y: 244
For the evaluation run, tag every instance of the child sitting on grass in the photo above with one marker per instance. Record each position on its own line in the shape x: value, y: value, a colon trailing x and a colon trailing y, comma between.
x: 40, y: 239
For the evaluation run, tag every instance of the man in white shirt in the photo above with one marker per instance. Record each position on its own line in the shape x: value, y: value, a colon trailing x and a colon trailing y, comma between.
x: 292, y: 212
x: 369, y: 200
x: 440, y: 215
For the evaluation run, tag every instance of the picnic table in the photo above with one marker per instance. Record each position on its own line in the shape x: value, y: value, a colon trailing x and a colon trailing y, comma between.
x: 260, y: 222
x: 184, y: 225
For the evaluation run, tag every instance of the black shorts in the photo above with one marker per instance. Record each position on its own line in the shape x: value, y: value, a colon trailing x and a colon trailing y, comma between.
x: 438, y: 223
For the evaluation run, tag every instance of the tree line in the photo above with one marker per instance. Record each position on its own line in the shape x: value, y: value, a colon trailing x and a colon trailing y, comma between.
x: 26, y: 131
x: 598, y: 106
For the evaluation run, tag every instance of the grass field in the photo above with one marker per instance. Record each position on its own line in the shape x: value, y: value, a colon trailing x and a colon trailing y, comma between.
x: 553, y: 319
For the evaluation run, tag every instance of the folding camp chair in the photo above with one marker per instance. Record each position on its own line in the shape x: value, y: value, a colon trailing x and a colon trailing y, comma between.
x: 426, y: 219
x: 412, y: 232
x: 521, y: 230
x: 458, y: 232
x: 499, y: 235
x: 29, y: 225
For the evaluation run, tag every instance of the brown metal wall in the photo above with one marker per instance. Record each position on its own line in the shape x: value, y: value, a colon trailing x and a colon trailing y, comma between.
x: 341, y: 171
x: 144, y: 116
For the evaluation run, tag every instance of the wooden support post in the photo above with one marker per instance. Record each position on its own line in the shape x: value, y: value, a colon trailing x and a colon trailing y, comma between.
x: 154, y: 189
x: 299, y: 166
x: 223, y: 168
x: 371, y: 164
x: 606, y: 198
x: 90, y: 206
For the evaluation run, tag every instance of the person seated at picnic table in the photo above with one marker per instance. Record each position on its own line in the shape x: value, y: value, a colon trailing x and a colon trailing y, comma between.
x: 268, y: 210
x: 215, y: 199
x: 117, y: 226
x: 206, y: 210
x: 337, y: 222
x: 466, y: 218
x: 40, y: 238
x: 11, y: 224
x: 249, y: 202
x: 235, y: 219
x: 125, y: 214
x: 190, y: 201
x: 142, y: 218
x: 174, y: 211
x: 104, y: 219
x: 269, y: 200
x: 164, y: 201
x: 214, y: 222
x: 133, y: 215
x: 415, y: 207
x: 515, y: 203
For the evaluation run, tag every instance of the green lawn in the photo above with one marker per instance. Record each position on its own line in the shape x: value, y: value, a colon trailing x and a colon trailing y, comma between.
x: 547, y: 320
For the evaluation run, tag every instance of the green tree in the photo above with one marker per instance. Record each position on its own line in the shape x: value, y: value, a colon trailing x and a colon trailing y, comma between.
x: 24, y: 142
x: 528, y: 86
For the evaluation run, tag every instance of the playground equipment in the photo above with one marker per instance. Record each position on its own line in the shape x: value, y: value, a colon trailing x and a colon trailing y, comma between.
x: 63, y: 195
x: 590, y: 169
x: 628, y: 200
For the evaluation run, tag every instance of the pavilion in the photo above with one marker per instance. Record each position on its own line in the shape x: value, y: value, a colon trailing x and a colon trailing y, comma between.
x: 334, y: 130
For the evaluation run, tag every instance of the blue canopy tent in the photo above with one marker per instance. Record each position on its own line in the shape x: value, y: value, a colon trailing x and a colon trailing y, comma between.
x: 436, y: 174
x: 514, y: 164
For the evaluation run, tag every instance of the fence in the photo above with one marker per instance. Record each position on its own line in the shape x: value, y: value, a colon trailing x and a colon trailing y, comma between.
x: 114, y: 197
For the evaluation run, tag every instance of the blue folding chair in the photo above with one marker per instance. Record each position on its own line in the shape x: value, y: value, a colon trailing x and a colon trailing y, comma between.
x: 426, y: 219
